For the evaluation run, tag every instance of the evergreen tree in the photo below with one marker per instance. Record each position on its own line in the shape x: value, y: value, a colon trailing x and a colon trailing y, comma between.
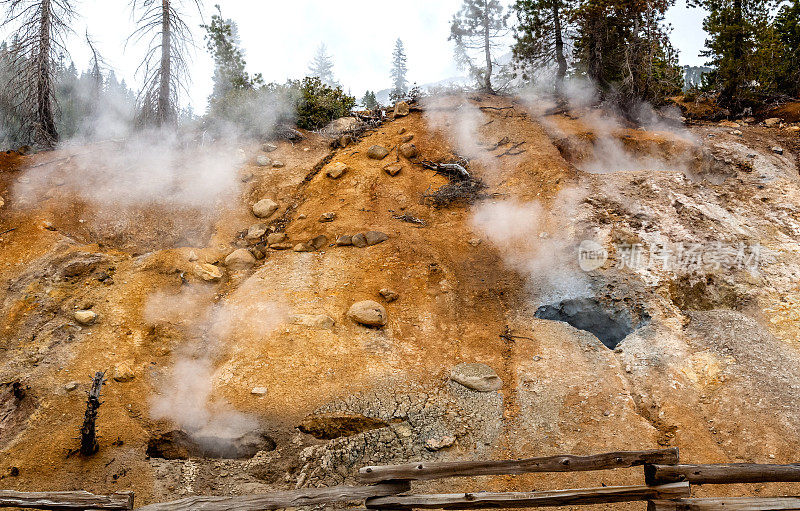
x: 322, y: 66
x: 369, y: 101
x: 544, y: 27
x: 222, y: 42
x: 476, y: 28
x: 734, y: 27
x: 399, y: 70
x: 624, y: 47
x: 787, y: 30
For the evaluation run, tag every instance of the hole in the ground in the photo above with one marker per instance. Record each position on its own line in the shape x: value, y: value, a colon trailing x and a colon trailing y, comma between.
x: 609, y: 324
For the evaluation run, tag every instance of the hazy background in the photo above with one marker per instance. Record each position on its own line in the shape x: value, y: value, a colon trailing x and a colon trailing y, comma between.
x: 280, y: 38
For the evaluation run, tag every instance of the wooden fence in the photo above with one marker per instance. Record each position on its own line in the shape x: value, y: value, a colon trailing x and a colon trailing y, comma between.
x: 667, y: 487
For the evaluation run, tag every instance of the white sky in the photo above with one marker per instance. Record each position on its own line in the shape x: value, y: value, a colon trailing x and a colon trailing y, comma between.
x: 280, y: 38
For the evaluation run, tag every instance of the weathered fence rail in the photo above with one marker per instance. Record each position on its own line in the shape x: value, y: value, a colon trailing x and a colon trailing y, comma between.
x: 438, y: 470
x: 667, y: 488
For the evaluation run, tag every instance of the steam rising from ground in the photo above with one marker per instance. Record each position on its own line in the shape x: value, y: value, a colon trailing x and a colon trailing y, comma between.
x: 187, y: 392
x: 539, y: 244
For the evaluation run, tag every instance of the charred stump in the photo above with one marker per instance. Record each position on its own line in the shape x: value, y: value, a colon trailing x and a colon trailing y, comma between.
x: 89, y: 444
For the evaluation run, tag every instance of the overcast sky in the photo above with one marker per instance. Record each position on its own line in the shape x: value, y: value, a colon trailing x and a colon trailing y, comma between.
x: 280, y: 38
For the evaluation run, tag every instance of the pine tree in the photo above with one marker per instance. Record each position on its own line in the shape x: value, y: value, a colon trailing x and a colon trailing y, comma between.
x: 624, y: 47
x: 733, y: 27
x: 541, y: 35
x: 322, y: 66
x: 222, y: 42
x: 369, y: 101
x: 164, y: 66
x: 477, y: 27
x: 399, y: 70
x: 39, y: 27
x: 787, y: 31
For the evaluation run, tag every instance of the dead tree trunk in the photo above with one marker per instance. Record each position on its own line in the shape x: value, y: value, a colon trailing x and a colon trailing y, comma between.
x: 487, y: 47
x: 88, y: 431
x: 164, y: 110
x: 46, y: 129
x: 560, y: 59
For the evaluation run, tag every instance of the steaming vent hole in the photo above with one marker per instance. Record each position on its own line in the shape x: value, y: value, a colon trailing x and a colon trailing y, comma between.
x: 608, y: 324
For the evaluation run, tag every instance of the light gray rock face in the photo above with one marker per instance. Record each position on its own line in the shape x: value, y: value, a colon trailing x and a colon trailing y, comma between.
x: 368, y: 313
x: 265, y: 208
x: 479, y: 377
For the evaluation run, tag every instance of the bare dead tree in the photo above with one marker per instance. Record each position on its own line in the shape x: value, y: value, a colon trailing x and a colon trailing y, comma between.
x: 89, y: 444
x: 40, y: 27
x: 96, y: 63
x: 164, y: 67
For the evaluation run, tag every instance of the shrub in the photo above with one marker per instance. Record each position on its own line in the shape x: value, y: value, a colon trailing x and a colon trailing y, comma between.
x: 317, y: 104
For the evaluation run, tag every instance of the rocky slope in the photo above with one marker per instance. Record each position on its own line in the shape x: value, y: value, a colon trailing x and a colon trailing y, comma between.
x: 243, y: 334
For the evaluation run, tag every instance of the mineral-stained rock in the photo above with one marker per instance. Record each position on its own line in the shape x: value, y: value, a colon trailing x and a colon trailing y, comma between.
x: 478, y: 377
x: 393, y: 169
x: 123, y: 372
x: 327, y: 217
x: 240, y: 259
x: 377, y: 152
x: 319, y: 242
x: 208, y: 272
x: 407, y: 138
x: 440, y: 442
x: 327, y: 426
x: 256, y: 231
x: 359, y: 240
x: 265, y: 208
x: 772, y: 121
x: 409, y: 151
x: 336, y: 170
x: 401, y: 109
x: 368, y: 313
x: 304, y: 247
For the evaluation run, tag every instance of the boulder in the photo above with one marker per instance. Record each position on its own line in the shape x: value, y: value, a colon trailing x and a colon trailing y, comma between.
x: 255, y: 231
x: 388, y: 294
x: 208, y: 272
x: 359, y: 240
x: 368, y: 313
x: 377, y: 152
x: 327, y: 426
x: 772, y: 121
x: 393, y: 169
x: 319, y: 242
x: 401, y: 109
x: 344, y: 241
x: 276, y: 237
x: 336, y: 170
x: 85, y: 317
x: 409, y: 151
x: 263, y: 161
x: 319, y: 321
x: 327, y: 217
x: 375, y: 237
x: 479, y: 377
x: 265, y: 208
x: 268, y: 147
x: 240, y: 259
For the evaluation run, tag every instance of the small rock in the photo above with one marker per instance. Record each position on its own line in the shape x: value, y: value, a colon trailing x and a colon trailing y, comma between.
x: 772, y: 121
x: 777, y: 150
x: 265, y: 208
x: 375, y: 237
x: 377, y: 152
x: 303, y: 247
x: 320, y: 321
x: 327, y: 217
x: 368, y: 313
x: 276, y: 237
x: 729, y: 124
x: 409, y: 151
x: 268, y: 148
x: 336, y: 170
x: 319, y: 242
x: 439, y: 443
x: 479, y: 377
x: 388, y: 294
x: 344, y: 241
x: 301, y: 216
x: 73, y: 385
x: 402, y: 130
x: 192, y: 256
x: 281, y: 246
x: 736, y: 132
x: 259, y: 391
x: 393, y: 169
x: 408, y: 138
x: 278, y: 164
x: 208, y: 272
x: 257, y: 253
x: 85, y: 317
x: 359, y: 240
x: 475, y: 241
x: 263, y: 161
x: 246, y: 176
x: 240, y: 259
x: 401, y: 109
x: 123, y: 372
x: 255, y: 231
